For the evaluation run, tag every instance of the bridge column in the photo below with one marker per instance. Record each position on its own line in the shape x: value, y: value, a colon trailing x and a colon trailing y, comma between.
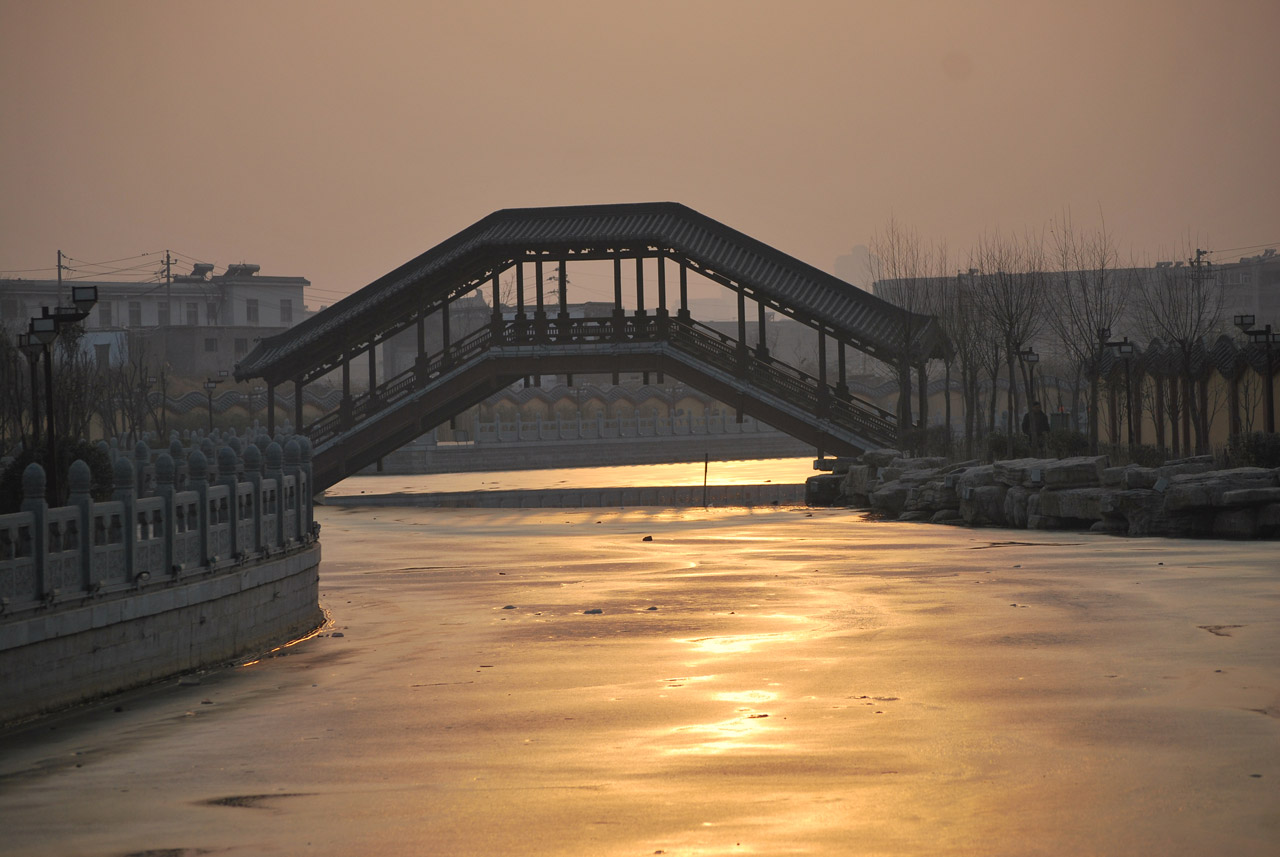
x: 619, y: 315
x: 662, y: 286
x: 446, y: 339
x: 563, y: 315
x: 842, y: 383
x: 540, y: 311
x: 520, y: 291
x: 762, y: 346
x: 496, y: 319
x: 683, y: 312
x: 640, y: 313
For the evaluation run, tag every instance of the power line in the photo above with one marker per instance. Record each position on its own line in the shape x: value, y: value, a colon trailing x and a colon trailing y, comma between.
x: 1250, y: 247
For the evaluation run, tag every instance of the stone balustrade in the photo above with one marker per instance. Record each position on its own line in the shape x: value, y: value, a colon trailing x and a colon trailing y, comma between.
x: 187, y: 512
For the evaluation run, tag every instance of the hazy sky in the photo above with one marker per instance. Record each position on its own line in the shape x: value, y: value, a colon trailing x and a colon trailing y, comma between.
x: 337, y: 140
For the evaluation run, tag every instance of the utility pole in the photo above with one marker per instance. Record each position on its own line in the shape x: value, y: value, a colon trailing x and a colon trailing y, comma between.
x: 168, y: 286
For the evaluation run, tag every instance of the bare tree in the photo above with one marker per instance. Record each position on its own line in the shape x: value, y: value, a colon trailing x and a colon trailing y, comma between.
x: 901, y: 265
x: 1088, y: 295
x: 1010, y: 290
x: 1182, y: 305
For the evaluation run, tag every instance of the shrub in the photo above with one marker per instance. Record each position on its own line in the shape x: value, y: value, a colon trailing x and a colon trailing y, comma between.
x: 68, y: 451
x: 998, y: 446
x: 1067, y: 443
x: 1256, y: 449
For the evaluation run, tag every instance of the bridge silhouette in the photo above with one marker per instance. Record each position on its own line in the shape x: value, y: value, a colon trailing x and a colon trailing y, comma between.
x: 537, y: 336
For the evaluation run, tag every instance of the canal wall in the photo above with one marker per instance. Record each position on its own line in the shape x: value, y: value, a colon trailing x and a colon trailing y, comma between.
x: 184, y: 567
x: 676, y: 496
x: 595, y: 442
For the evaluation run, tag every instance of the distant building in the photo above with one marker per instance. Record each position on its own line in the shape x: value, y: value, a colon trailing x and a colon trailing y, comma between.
x: 198, y: 324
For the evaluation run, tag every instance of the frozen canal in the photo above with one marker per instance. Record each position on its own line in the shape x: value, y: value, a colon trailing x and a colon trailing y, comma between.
x: 549, y: 682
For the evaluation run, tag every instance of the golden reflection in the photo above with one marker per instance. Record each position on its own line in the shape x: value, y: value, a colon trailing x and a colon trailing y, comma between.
x: 324, y: 626
x: 748, y: 729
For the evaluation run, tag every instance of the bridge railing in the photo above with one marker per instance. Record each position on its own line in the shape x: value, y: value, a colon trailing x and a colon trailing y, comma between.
x: 191, y: 521
x: 698, y: 340
x: 790, y: 383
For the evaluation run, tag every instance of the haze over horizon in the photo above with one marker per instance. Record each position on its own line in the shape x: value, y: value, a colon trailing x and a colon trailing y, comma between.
x: 336, y: 142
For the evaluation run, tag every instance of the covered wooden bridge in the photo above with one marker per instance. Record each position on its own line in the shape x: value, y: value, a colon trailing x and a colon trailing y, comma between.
x: 535, y: 334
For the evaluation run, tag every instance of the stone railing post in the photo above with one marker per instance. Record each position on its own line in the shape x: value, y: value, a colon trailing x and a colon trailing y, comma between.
x: 179, y: 457
x: 33, y: 501
x: 79, y: 483
x: 197, y: 481
x: 165, y: 491
x: 304, y: 494
x: 141, y: 462
x: 275, y: 471
x: 253, y: 475
x: 125, y: 493
x: 228, y: 462
x: 293, y: 467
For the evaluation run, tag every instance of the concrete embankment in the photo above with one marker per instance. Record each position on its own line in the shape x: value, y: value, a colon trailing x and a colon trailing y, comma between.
x: 113, y: 644
x: 676, y: 496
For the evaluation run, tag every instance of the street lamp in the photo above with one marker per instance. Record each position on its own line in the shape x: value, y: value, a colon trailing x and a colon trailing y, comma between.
x: 33, y: 348
x: 1124, y: 350
x: 210, y: 385
x: 1264, y: 336
x: 1030, y: 358
x: 43, y: 330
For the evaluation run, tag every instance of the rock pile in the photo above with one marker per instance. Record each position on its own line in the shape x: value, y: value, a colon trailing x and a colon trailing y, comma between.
x: 1181, y: 498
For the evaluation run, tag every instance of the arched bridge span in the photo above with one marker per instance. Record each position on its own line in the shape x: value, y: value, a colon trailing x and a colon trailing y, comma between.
x: 531, y: 330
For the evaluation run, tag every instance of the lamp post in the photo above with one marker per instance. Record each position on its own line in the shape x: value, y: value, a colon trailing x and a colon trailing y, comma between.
x: 210, y: 385
x: 1124, y: 350
x: 1264, y: 336
x: 43, y: 330
x: 1030, y: 358
x: 33, y: 348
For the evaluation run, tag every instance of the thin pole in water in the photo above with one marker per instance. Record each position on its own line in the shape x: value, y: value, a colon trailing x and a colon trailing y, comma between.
x: 706, y: 462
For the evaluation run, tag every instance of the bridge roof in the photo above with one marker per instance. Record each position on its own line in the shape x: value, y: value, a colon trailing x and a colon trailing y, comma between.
x: 597, y: 231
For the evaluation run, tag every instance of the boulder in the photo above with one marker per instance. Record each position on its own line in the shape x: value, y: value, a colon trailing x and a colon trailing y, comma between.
x: 1015, y: 506
x: 1269, y: 521
x: 914, y: 516
x: 1113, y: 477
x: 975, y: 477
x: 824, y: 489
x: 1073, y: 504
x: 1236, y: 524
x: 1184, y: 466
x: 859, y: 480
x: 903, y: 465
x: 891, y: 497
x: 932, y: 496
x: 984, y: 505
x: 1190, y: 491
x: 1250, y: 497
x: 880, y: 457
x: 1141, y: 511
x: 947, y: 516
x: 1079, y: 472
x: 1026, y: 472
x: 1139, y: 477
